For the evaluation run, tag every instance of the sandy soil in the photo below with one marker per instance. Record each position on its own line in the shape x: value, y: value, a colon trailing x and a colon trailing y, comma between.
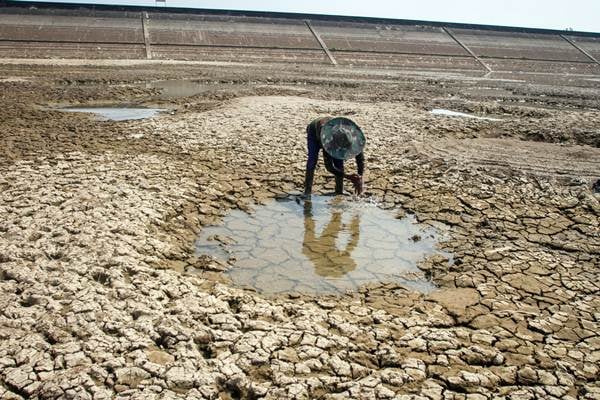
x: 102, y: 297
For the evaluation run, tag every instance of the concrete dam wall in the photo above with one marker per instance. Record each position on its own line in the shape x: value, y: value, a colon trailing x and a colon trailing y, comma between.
x: 92, y: 32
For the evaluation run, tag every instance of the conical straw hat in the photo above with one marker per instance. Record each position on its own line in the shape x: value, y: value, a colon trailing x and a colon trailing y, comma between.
x: 342, y: 138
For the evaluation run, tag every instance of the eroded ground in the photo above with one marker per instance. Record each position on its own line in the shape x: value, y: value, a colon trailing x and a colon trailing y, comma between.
x: 101, y: 294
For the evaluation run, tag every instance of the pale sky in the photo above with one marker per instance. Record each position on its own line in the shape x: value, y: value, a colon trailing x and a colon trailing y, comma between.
x: 580, y: 15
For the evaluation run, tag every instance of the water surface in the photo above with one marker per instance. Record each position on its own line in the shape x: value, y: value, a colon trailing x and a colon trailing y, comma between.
x: 117, y: 113
x: 327, y: 245
x: 450, y: 113
x: 178, y: 87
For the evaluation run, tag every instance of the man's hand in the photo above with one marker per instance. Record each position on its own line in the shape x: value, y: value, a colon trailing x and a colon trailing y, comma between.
x: 357, y: 181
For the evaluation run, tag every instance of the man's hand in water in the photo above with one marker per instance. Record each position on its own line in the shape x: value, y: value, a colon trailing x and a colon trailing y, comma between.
x: 357, y: 181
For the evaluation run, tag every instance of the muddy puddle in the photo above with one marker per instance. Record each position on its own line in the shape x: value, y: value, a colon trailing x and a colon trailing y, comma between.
x: 327, y: 245
x: 178, y: 88
x: 450, y: 113
x: 117, y: 113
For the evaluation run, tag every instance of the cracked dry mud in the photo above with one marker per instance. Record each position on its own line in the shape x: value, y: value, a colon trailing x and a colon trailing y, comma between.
x: 98, y: 223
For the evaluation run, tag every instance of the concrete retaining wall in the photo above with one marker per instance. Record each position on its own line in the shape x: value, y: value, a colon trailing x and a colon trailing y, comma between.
x: 89, y: 32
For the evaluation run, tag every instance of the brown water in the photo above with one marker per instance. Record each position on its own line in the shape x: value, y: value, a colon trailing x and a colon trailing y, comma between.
x: 178, y: 87
x: 327, y: 245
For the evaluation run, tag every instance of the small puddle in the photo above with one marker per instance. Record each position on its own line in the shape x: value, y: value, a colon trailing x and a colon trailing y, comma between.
x: 15, y: 79
x: 449, y: 113
x: 327, y: 245
x: 178, y: 88
x: 117, y: 113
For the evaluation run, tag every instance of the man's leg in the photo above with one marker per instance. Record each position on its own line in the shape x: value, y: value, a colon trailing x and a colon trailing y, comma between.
x: 308, y: 181
x: 339, y: 180
x: 311, y: 163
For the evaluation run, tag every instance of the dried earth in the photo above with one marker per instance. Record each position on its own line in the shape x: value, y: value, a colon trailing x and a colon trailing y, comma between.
x: 102, y: 297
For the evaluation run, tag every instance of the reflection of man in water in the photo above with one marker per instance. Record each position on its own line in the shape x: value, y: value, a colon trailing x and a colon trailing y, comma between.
x: 328, y: 260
